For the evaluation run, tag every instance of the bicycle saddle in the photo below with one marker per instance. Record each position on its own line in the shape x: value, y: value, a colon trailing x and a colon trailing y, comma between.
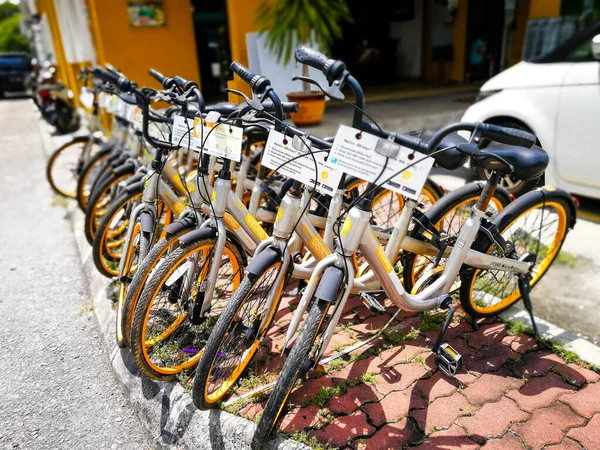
x: 450, y: 159
x: 528, y: 163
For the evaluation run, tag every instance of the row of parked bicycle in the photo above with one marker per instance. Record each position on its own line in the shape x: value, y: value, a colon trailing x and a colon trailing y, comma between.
x: 204, y: 215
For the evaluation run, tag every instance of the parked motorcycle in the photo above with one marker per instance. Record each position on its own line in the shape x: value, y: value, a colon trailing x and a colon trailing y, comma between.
x: 52, y: 98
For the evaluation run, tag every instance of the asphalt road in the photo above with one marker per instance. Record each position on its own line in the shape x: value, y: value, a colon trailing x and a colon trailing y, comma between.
x: 57, y: 390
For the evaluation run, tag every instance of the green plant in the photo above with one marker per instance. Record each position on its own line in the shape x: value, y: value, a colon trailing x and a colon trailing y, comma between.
x: 368, y: 378
x: 11, y: 39
x: 289, y: 23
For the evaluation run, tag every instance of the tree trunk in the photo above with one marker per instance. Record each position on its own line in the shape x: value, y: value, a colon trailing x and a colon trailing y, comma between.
x: 305, y: 84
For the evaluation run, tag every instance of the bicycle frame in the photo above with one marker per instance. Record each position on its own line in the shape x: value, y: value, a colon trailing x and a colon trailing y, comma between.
x: 357, y: 233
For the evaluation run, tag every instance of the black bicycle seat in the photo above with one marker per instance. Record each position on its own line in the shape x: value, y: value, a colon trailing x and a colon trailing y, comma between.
x: 528, y: 163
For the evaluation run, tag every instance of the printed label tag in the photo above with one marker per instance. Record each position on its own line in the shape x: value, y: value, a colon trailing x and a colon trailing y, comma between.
x: 301, y: 169
x: 86, y: 97
x: 221, y: 140
x: 183, y: 132
x: 137, y: 118
x: 158, y: 130
x: 357, y: 157
x: 122, y: 109
x: 103, y: 100
x: 113, y: 104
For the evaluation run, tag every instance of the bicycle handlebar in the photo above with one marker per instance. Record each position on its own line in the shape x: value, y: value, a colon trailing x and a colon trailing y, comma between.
x: 184, y: 84
x: 119, y: 81
x: 508, y: 136
x: 258, y: 83
x: 331, y: 68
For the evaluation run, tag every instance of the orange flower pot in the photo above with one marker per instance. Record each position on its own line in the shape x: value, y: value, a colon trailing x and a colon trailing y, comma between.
x: 312, y: 107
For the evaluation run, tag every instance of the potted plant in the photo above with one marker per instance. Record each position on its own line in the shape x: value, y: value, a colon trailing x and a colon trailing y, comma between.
x: 289, y: 23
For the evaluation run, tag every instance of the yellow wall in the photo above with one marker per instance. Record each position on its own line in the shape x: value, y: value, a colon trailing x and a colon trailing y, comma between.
x: 544, y: 8
x: 240, y: 17
x: 170, y: 49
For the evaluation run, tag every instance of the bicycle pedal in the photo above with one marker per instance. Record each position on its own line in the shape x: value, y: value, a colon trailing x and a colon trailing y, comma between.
x: 371, y: 302
x: 448, y: 360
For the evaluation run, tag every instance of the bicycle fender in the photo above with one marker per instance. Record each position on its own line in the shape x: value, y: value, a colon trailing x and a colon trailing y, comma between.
x: 147, y: 222
x: 330, y: 284
x: 126, y: 167
x: 263, y: 261
x: 180, y: 224
x: 546, y: 193
x: 135, y: 187
x: 197, y: 235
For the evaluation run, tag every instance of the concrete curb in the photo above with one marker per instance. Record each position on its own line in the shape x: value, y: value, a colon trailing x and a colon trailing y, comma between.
x: 165, y: 409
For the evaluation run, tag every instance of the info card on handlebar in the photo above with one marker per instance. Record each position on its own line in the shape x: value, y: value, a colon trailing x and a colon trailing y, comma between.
x: 219, y: 139
x: 183, y: 132
x: 355, y: 153
x: 298, y: 164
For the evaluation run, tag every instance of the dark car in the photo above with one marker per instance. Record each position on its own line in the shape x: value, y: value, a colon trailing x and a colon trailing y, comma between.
x: 14, y: 68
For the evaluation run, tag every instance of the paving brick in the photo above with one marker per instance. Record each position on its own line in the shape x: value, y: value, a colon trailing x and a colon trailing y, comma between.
x: 441, y: 413
x: 308, y: 389
x: 454, y: 438
x: 487, y: 335
x: 540, y: 392
x: 252, y: 411
x: 585, y: 402
x: 588, y: 435
x: 354, y: 370
x: 392, y: 437
x: 493, y: 419
x: 489, y: 359
x: 521, y: 343
x: 439, y: 385
x: 344, y: 429
x: 576, y: 374
x: 370, y: 326
x: 405, y: 352
x: 508, y: 442
x: 339, y: 341
x: 400, y: 377
x: 548, y: 425
x: 490, y: 387
x: 535, y: 364
x: 456, y: 329
x: 300, y: 418
x: 568, y: 444
x: 353, y: 399
x: 394, y: 406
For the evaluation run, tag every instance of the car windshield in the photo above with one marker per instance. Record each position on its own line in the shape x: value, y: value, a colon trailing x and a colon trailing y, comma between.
x: 14, y: 61
x: 577, y: 49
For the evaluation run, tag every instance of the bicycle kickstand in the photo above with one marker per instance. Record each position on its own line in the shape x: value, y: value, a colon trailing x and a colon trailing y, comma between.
x: 525, y: 289
x: 447, y: 359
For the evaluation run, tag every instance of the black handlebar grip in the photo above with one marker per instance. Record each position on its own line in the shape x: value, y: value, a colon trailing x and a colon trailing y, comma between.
x: 157, y: 76
x: 256, y: 82
x: 184, y: 84
x: 330, y: 67
x: 119, y: 81
x: 290, y: 107
x: 509, y: 136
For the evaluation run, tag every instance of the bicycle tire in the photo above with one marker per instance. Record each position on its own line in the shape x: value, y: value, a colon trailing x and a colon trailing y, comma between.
x: 216, y: 341
x: 83, y: 189
x: 504, y: 222
x: 456, y: 199
x: 290, y: 372
x: 134, y: 289
x: 97, y: 200
x: 99, y: 253
x: 50, y: 166
x: 138, y: 344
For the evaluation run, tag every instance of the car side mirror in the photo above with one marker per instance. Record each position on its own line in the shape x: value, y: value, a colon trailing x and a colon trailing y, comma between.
x: 596, y: 47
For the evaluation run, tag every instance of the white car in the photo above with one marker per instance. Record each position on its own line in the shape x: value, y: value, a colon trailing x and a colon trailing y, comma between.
x: 558, y: 99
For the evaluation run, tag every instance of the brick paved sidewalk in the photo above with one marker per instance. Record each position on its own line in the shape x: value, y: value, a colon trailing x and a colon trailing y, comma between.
x: 390, y: 395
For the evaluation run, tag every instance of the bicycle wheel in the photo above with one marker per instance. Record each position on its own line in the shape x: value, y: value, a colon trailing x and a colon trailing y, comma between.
x: 108, y: 242
x: 448, y: 215
x: 130, y: 292
x: 89, y: 173
x: 164, y: 340
x: 292, y: 370
x: 535, y: 227
x: 64, y: 166
x: 236, y: 337
x: 99, y: 202
x: 139, y: 247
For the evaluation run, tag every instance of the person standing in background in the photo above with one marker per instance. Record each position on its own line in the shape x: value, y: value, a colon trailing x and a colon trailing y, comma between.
x: 442, y: 21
